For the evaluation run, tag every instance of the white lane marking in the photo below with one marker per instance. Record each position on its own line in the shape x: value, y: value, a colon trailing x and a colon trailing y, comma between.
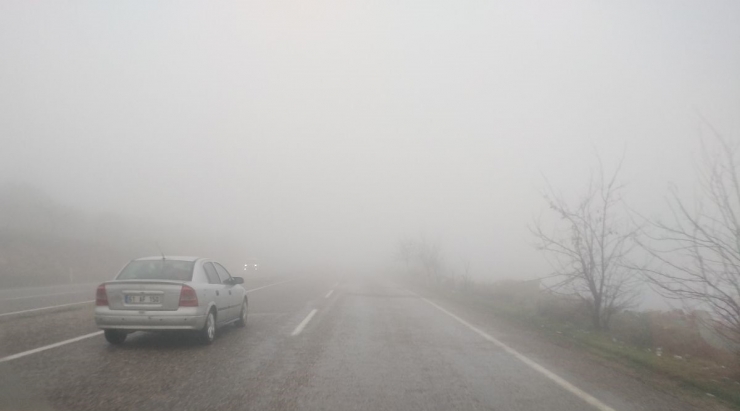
x: 48, y: 347
x: 329, y: 294
x: 82, y: 337
x: 45, y: 308
x: 270, y: 285
x: 85, y: 302
x: 336, y: 285
x: 526, y: 360
x: 303, y: 323
x: 43, y: 295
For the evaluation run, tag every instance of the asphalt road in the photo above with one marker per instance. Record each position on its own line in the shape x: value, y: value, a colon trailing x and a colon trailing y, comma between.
x: 20, y: 299
x: 311, y: 344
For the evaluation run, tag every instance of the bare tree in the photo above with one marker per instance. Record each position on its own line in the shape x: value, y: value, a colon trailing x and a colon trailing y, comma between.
x: 588, y: 248
x: 431, y: 260
x: 464, y: 279
x: 426, y: 254
x: 696, y: 255
x: 407, y: 251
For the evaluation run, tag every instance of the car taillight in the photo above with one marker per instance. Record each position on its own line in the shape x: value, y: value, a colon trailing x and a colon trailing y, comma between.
x: 188, y: 297
x: 101, y: 296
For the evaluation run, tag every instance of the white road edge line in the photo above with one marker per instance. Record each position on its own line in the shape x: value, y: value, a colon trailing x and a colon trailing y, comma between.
x: 329, y: 294
x: 43, y: 295
x: 48, y: 347
x: 526, y: 360
x: 303, y: 323
x: 270, y: 285
x: 45, y: 287
x: 44, y: 308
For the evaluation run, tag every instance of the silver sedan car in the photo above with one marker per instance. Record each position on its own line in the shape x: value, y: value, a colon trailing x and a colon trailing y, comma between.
x: 170, y: 293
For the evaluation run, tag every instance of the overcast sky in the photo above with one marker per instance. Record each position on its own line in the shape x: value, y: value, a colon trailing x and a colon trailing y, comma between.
x: 327, y: 131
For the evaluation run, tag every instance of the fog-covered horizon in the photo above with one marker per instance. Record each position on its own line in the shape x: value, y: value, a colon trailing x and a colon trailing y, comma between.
x: 323, y: 134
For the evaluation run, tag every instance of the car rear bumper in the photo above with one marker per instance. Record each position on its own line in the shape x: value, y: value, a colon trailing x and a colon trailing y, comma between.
x: 191, y: 319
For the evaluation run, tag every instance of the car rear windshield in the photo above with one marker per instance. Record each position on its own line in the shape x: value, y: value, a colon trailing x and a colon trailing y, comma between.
x: 158, y: 270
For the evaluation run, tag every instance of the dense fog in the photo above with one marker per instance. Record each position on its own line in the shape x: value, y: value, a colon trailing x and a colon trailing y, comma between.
x: 318, y: 136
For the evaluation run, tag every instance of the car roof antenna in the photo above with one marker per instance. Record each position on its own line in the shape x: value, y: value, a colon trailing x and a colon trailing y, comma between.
x: 160, y: 250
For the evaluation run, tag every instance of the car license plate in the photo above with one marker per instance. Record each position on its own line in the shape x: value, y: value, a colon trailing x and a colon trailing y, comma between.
x: 143, y: 299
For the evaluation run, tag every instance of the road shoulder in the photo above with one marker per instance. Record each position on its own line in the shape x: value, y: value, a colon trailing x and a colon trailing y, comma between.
x: 609, y: 377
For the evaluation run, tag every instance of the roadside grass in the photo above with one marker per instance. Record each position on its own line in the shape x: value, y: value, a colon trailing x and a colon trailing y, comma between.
x: 696, y: 375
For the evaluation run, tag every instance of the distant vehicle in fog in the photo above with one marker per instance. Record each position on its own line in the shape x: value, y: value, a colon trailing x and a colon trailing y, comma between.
x: 170, y: 293
x: 251, y: 265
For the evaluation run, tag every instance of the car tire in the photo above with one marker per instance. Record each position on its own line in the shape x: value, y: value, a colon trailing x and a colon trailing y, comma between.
x: 208, y: 333
x: 242, y: 321
x: 115, y: 337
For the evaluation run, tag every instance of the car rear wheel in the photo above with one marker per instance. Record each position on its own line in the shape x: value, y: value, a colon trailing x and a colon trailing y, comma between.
x: 242, y: 321
x: 115, y: 337
x: 208, y: 333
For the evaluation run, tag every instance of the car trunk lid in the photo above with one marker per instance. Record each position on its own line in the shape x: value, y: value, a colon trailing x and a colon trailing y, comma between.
x: 144, y: 295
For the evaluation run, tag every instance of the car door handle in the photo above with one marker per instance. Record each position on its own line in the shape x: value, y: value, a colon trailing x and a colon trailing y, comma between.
x: 229, y: 292
x: 216, y: 292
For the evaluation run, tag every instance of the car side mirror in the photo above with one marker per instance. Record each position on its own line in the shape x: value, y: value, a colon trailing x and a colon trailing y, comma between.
x: 237, y: 280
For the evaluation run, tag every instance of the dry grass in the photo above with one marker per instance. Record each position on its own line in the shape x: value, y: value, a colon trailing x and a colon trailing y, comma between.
x: 684, y: 357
